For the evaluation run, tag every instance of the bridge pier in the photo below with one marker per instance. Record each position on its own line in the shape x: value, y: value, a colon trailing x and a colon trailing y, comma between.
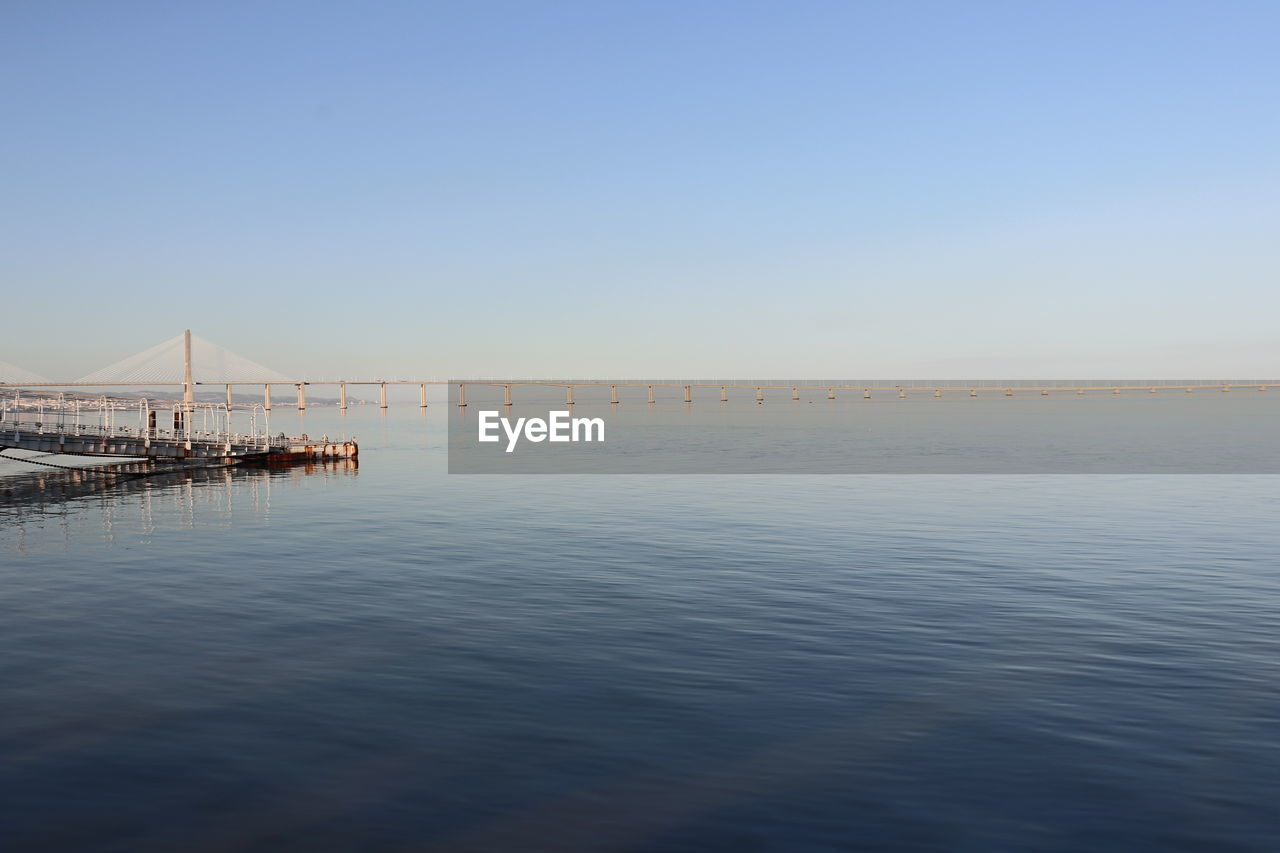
x: 866, y: 393
x: 462, y: 395
x: 759, y: 395
x: 422, y: 396
x: 688, y: 394
x: 973, y: 392
x: 1226, y: 388
x: 1008, y: 392
x: 266, y: 397
x: 302, y: 396
x: 382, y: 395
x: 650, y: 393
x: 506, y: 395
x: 902, y: 393
x: 613, y: 394
x: 229, y: 397
x: 937, y: 393
x: 831, y: 393
x: 724, y: 394
x: 1044, y: 392
x: 795, y: 393
x: 342, y: 396
x: 568, y: 397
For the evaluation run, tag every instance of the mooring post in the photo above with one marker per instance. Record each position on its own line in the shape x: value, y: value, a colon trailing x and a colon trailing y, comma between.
x: 462, y: 395
x: 1115, y: 391
x: 228, y: 396
x: 759, y: 394
x: 1008, y: 392
x: 422, y: 396
x: 1151, y: 391
x: 1188, y: 390
x: 973, y: 392
x: 302, y: 397
x: 342, y: 396
x: 650, y: 393
x: 688, y: 393
x: 937, y: 393
x: 724, y: 394
x: 382, y: 395
x: 795, y: 393
x: 506, y: 395
x: 613, y: 394
x: 568, y: 397
x: 902, y: 393
x: 266, y: 397
x: 866, y: 393
x: 1044, y: 392
x: 1226, y: 388
x: 1079, y: 392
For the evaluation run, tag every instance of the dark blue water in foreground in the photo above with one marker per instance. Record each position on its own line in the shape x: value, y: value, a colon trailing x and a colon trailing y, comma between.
x: 393, y: 659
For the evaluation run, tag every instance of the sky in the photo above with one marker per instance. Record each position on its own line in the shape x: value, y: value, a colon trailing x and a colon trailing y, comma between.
x: 639, y: 189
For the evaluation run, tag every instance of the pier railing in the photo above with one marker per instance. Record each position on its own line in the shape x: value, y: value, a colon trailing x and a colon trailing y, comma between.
x: 10, y: 423
x: 106, y: 418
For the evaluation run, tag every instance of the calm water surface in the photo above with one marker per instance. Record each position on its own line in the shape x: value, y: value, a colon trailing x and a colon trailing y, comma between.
x: 390, y: 658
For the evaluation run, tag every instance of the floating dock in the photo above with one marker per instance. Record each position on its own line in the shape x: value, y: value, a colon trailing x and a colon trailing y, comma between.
x: 303, y: 449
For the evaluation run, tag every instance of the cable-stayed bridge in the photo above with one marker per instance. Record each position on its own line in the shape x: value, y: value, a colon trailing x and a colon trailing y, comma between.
x: 189, y: 361
x: 165, y: 364
x: 11, y: 374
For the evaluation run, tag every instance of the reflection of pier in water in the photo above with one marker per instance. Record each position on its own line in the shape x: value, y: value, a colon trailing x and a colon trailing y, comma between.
x: 138, y: 492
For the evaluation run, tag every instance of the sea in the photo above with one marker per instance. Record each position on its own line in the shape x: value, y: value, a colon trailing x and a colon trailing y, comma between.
x: 384, y: 656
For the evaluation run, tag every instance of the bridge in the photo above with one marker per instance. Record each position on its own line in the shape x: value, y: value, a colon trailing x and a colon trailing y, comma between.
x: 568, y: 386
x: 170, y: 364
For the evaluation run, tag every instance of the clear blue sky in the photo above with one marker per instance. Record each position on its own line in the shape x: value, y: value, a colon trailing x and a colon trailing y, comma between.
x: 634, y: 189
